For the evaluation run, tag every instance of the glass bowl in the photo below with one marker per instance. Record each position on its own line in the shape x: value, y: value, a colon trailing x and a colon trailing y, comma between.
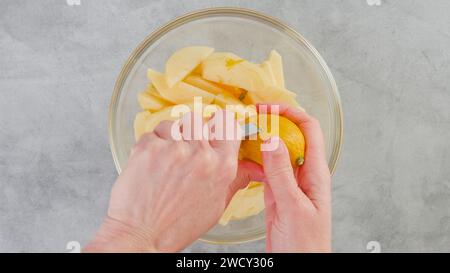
x: 248, y: 34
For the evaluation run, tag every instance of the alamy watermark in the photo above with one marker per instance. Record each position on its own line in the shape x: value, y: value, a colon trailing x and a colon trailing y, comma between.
x: 73, y: 247
x: 374, y: 2
x: 373, y: 247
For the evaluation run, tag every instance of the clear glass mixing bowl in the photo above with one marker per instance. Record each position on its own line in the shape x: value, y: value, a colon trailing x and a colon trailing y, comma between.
x: 250, y: 35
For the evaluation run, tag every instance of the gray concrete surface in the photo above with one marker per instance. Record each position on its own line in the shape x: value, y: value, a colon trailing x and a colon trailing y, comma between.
x: 58, y: 64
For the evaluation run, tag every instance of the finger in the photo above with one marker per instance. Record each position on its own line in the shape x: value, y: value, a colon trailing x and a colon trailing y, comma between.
x: 318, y: 189
x: 144, y: 140
x: 270, y: 211
x: 247, y: 171
x: 269, y: 200
x: 315, y: 157
x: 224, y: 132
x: 280, y: 175
x: 164, y: 130
x: 269, y: 203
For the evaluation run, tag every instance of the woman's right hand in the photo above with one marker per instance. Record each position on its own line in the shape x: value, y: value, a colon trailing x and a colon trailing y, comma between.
x: 298, y: 202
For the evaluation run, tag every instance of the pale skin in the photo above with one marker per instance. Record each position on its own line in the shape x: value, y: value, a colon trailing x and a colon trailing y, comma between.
x: 164, y: 203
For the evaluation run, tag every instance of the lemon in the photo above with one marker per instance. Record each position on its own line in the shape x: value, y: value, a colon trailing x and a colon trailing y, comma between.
x: 287, y: 130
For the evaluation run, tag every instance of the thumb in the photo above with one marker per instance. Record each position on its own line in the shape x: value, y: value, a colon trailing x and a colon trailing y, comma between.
x: 279, y: 174
x: 247, y: 171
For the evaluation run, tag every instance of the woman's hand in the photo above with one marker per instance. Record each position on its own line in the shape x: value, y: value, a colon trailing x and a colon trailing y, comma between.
x: 298, y: 202
x: 173, y: 191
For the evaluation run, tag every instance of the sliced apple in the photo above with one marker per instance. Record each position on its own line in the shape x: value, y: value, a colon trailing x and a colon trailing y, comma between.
x: 140, y: 122
x: 245, y: 203
x: 151, y: 89
x: 180, y: 93
x: 276, y: 63
x: 272, y: 94
x: 267, y: 67
x: 229, y: 69
x: 197, y: 70
x: 252, y: 99
x: 215, y: 88
x: 223, y: 100
x: 275, y: 94
x: 277, y: 90
x: 150, y: 102
x: 184, y: 61
x: 237, y: 92
x: 232, y: 104
x: 206, y: 85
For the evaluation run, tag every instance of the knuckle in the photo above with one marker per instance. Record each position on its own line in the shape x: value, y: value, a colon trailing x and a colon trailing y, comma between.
x: 181, y: 151
x: 153, y: 145
x: 137, y: 148
x: 161, y: 125
x: 144, y: 138
x: 143, y: 142
x: 207, y: 157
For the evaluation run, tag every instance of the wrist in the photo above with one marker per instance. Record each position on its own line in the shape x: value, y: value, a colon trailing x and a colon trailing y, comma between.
x: 116, y: 236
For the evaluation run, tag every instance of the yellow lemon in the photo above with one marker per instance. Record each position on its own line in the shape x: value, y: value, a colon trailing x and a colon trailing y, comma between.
x: 285, y: 129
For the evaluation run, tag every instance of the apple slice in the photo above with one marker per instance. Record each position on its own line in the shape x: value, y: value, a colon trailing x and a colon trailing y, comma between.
x: 227, y: 68
x: 245, y: 203
x: 225, y: 99
x: 235, y: 91
x: 273, y: 94
x: 197, y: 70
x: 215, y: 88
x: 139, y: 123
x: 267, y: 67
x: 184, y: 61
x: 276, y: 63
x: 151, y: 89
x: 180, y: 93
x: 206, y: 85
x: 252, y: 99
x: 150, y: 102
x: 232, y: 104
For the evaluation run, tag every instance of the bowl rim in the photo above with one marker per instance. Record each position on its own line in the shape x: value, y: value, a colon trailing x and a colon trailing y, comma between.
x: 223, y: 11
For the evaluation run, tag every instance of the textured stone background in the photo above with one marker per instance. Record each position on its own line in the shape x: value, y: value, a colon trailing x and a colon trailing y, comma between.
x: 58, y: 65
